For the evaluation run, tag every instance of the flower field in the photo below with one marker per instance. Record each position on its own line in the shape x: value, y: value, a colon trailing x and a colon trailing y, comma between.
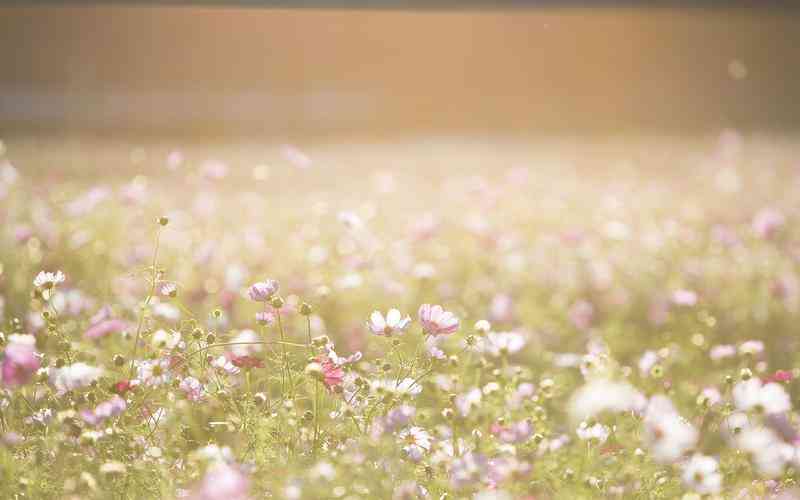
x: 442, y: 318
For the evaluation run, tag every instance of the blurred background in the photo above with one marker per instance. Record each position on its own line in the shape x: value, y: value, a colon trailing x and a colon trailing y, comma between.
x: 289, y: 74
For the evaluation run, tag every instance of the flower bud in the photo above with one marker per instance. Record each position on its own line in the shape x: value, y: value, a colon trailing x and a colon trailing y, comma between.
x: 314, y: 370
x: 306, y: 309
x: 276, y: 302
x: 483, y: 327
x: 163, y: 221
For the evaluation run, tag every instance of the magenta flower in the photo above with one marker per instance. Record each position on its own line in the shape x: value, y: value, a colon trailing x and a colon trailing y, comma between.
x: 436, y: 321
x: 104, y: 328
x: 263, y: 290
x: 20, y: 361
x: 332, y: 374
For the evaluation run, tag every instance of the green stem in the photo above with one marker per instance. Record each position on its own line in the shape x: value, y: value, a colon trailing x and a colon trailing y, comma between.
x: 153, y: 281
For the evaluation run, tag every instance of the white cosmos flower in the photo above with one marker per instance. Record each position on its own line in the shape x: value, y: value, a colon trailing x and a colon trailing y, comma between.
x: 246, y: 349
x: 603, y: 395
x: 74, y: 376
x: 469, y: 400
x: 502, y: 343
x: 393, y: 324
x: 596, y: 432
x: 752, y: 394
x: 701, y: 474
x: 48, y: 280
x: 406, y: 386
x: 768, y: 452
x: 735, y: 423
x: 163, y: 339
x: 416, y: 442
x: 666, y: 433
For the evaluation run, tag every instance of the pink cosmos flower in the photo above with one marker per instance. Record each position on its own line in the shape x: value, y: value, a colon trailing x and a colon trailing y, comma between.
x: 20, y: 361
x: 107, y: 409
x: 265, y: 317
x: 686, y: 298
x: 517, y: 432
x: 104, y: 328
x: 436, y: 321
x: 332, y: 374
x: 263, y: 290
x: 222, y: 482
x: 767, y: 222
x: 501, y: 308
x: 393, y: 324
x: 581, y: 314
x: 193, y: 389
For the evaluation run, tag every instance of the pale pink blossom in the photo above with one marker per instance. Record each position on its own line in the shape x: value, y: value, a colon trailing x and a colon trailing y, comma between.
x: 20, y: 361
x: 104, y: 328
x: 436, y: 321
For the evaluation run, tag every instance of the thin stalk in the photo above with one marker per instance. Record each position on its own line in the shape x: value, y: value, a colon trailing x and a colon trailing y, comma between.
x: 153, y: 280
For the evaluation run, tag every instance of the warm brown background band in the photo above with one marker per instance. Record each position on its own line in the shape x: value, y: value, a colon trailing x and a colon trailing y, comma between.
x: 219, y: 70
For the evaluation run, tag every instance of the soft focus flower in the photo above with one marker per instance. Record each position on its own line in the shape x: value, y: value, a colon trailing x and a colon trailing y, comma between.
x: 503, y: 343
x: 722, y: 351
x: 483, y: 326
x: 753, y: 394
x: 467, y: 401
x: 193, y: 389
x: 246, y: 343
x: 581, y: 314
x: 436, y: 321
x: 163, y: 339
x: 111, y: 408
x: 603, y: 395
x: 767, y: 222
x: 393, y: 324
x: 666, y: 433
x: 20, y: 361
x: 104, y: 328
x: 468, y: 470
x: 222, y: 482
x: 502, y: 469
x: 686, y: 298
x: 74, y: 376
x: 701, y: 474
x: 751, y: 347
x: 596, y: 432
x: 515, y: 433
x: 769, y: 454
